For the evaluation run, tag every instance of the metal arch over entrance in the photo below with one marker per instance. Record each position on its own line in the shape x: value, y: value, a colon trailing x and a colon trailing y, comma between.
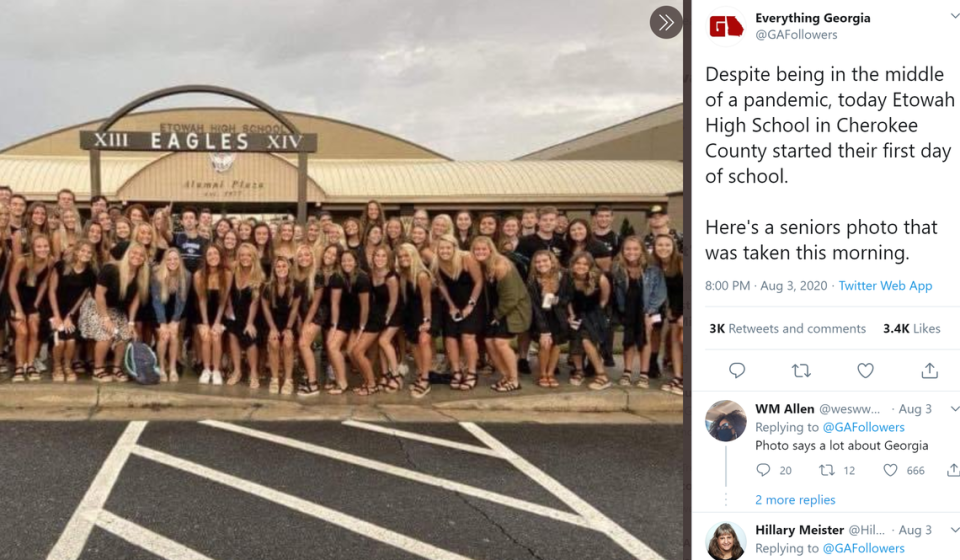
x: 104, y: 139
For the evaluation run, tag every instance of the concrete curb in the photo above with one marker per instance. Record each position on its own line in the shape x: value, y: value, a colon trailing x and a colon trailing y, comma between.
x: 127, y: 401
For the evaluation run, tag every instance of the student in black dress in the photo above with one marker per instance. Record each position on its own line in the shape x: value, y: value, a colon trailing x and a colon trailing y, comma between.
x: 310, y: 286
x: 460, y: 282
x: 588, y: 320
x: 146, y: 235
x: 509, y: 311
x: 353, y: 312
x: 93, y: 232
x: 671, y: 263
x: 6, y: 263
x: 353, y: 237
x: 245, y: 304
x: 27, y: 287
x: 386, y: 315
x: 71, y: 283
x: 638, y: 293
x: 463, y: 224
x: 211, y: 283
x: 421, y: 304
x: 395, y: 233
x: 551, y: 291
x: 263, y: 241
x: 108, y: 317
x: 169, y: 286
x: 328, y: 316
x: 372, y: 240
x: 280, y: 304
x: 122, y: 232
x: 35, y: 224
x: 372, y: 214
x: 65, y: 237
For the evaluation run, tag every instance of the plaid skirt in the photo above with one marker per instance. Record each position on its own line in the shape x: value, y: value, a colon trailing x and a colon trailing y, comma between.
x: 91, y: 325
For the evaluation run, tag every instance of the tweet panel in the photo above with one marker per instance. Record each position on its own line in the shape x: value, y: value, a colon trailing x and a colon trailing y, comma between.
x: 822, y: 193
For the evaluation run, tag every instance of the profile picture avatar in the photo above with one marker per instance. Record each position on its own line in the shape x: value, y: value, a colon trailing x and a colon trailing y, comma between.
x: 725, y: 540
x: 726, y: 421
x: 725, y: 26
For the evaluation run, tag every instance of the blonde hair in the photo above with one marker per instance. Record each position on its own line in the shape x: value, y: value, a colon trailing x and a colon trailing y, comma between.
x: 642, y: 260
x: 70, y: 258
x: 456, y: 262
x: 152, y: 248
x: 30, y: 261
x: 416, y: 268
x: 489, y: 267
x: 308, y: 276
x: 256, y: 271
x: 62, y: 232
x: 447, y: 222
x: 143, y: 274
x: 168, y: 281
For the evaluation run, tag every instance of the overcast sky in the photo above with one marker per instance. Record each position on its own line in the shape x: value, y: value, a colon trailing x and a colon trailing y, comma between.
x: 483, y: 79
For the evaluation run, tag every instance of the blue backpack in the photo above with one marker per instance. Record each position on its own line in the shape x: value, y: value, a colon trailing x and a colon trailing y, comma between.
x: 141, y: 364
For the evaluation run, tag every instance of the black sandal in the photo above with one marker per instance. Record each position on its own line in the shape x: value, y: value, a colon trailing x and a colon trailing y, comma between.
x: 101, y: 375
x: 18, y: 375
x: 504, y: 386
x: 577, y: 377
x: 118, y: 374
x: 308, y: 389
x: 78, y: 367
x: 420, y: 388
x: 469, y: 381
x: 394, y: 382
x: 457, y: 380
x: 366, y: 391
x: 32, y: 374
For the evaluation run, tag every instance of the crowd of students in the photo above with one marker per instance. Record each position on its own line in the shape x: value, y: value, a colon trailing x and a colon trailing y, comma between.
x: 364, y: 294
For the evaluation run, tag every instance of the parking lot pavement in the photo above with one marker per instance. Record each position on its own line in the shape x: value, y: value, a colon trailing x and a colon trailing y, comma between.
x: 338, y: 490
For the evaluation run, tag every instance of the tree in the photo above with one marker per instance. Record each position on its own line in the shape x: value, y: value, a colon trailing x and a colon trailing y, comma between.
x: 626, y: 229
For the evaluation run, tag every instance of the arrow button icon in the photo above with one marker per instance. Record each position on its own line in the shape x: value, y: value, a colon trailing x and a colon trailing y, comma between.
x: 666, y: 22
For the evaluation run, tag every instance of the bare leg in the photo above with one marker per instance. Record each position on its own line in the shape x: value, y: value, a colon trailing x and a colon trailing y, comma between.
x: 335, y: 351
x: 305, y: 345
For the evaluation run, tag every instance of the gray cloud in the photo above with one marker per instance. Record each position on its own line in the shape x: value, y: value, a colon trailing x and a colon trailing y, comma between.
x: 472, y: 79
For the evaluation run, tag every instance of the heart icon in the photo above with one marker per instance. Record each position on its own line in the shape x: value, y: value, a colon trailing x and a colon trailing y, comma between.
x: 890, y: 469
x: 866, y: 370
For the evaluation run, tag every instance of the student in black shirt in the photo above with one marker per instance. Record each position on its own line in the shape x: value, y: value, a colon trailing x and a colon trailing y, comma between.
x: 659, y: 223
x: 189, y: 242
x: 71, y: 283
x: 545, y: 239
x: 603, y: 229
x: 108, y: 317
x: 579, y: 238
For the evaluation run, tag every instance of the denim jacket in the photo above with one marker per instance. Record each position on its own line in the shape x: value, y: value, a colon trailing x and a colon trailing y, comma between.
x: 160, y: 310
x: 654, y: 289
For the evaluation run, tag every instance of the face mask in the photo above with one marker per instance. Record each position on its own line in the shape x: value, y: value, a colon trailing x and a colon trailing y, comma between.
x: 725, y: 434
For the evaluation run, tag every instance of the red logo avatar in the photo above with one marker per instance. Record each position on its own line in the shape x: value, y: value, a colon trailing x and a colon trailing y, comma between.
x: 722, y: 26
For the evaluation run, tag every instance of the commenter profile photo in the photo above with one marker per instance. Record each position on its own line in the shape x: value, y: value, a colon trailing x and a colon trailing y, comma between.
x: 726, y: 421
x: 725, y: 540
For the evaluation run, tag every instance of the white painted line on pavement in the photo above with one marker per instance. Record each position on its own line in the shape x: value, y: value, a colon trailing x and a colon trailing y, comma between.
x: 334, y: 517
x: 74, y: 537
x: 425, y: 439
x: 592, y: 515
x: 408, y: 474
x: 146, y: 539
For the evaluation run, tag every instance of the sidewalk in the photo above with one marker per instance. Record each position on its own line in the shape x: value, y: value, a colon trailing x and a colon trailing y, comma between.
x: 188, y: 400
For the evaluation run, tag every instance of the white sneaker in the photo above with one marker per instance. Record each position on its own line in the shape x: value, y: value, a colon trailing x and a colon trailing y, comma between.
x: 403, y: 369
x: 173, y: 375
x: 205, y: 376
x: 217, y: 377
x: 330, y: 374
x: 38, y: 363
x: 163, y: 376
